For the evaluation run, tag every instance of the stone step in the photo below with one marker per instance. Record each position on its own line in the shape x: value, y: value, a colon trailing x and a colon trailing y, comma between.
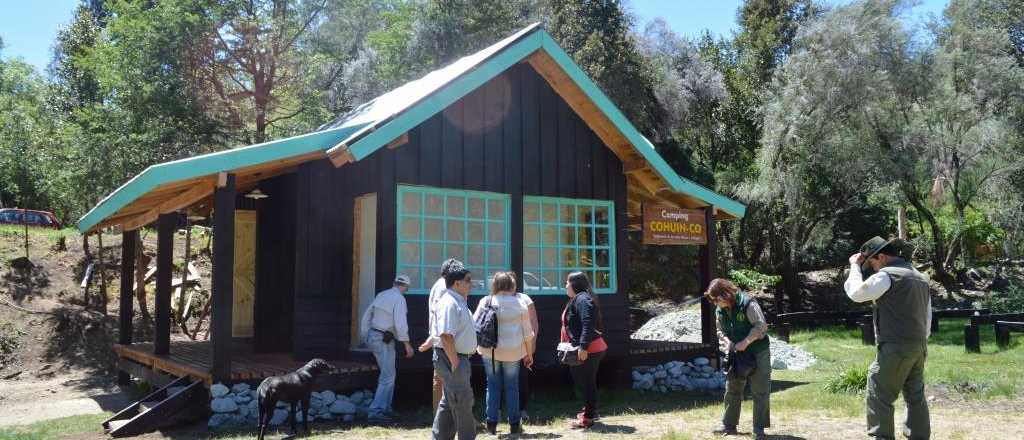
x: 114, y: 425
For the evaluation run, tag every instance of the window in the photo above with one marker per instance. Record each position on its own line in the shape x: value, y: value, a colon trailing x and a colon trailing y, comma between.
x: 561, y: 236
x: 436, y: 224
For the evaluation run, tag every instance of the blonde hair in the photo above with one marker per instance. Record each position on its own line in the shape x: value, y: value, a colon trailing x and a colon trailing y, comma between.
x: 503, y: 282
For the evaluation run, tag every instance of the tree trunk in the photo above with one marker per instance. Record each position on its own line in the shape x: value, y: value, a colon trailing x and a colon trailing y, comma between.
x: 102, y: 273
x: 901, y: 222
x: 939, y: 252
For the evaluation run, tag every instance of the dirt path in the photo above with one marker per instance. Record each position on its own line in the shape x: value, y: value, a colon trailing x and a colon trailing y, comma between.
x: 65, y: 394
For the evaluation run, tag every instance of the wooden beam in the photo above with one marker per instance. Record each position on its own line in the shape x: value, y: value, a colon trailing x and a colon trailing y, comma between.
x: 140, y: 220
x: 340, y: 156
x: 223, y: 278
x: 399, y: 141
x: 635, y: 166
x: 707, y: 271
x: 127, y: 298
x: 164, y: 257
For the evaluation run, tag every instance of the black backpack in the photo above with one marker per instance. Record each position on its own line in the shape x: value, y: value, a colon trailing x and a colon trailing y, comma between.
x: 487, y: 325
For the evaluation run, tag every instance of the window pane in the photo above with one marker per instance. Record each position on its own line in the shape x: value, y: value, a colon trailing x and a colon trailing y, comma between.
x: 477, y: 208
x: 411, y: 203
x: 602, y: 236
x: 414, y: 276
x: 475, y: 258
x: 456, y: 206
x: 432, y: 229
x: 567, y: 214
x: 550, y: 235
x: 408, y: 270
x: 602, y: 258
x: 549, y: 258
x: 476, y: 231
x: 495, y: 232
x: 567, y: 235
x: 586, y: 235
x: 531, y: 234
x: 552, y: 279
x: 456, y: 230
x: 409, y: 253
x: 586, y: 258
x: 496, y: 210
x: 531, y: 211
x: 601, y: 215
x: 550, y: 213
x: 456, y: 251
x: 410, y: 229
x: 434, y: 205
x: 496, y: 257
x: 585, y: 214
x: 568, y: 257
x: 531, y: 257
x: 432, y: 254
x: 604, y: 280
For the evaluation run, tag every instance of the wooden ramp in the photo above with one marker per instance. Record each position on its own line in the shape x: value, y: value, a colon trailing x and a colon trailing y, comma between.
x: 179, y: 400
x: 194, y: 359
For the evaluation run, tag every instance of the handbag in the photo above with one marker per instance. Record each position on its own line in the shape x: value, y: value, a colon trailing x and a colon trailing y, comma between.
x: 567, y: 354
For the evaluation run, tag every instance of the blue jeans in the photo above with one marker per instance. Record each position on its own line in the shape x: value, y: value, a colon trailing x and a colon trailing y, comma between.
x: 502, y: 376
x: 385, y: 355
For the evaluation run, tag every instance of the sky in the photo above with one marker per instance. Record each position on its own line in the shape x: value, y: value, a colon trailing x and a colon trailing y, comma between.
x: 28, y: 27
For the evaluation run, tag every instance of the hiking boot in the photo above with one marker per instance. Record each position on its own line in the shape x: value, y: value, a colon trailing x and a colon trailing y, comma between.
x: 524, y: 417
x: 759, y: 434
x: 515, y: 429
x: 725, y: 430
x: 492, y: 428
x: 380, y: 420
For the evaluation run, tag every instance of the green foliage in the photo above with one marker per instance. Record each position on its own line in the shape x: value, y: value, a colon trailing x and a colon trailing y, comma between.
x: 1010, y: 301
x: 853, y: 380
x: 10, y: 340
x: 752, y: 280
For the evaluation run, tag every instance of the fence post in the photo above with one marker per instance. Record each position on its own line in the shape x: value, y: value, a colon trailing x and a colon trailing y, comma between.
x: 972, y: 340
x: 867, y: 331
x: 1002, y: 336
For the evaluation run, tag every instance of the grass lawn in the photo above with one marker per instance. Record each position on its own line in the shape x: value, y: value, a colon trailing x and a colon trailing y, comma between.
x: 987, y: 383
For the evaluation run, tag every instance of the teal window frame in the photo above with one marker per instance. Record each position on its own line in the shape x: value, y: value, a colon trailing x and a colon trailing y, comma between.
x: 558, y: 285
x: 427, y: 271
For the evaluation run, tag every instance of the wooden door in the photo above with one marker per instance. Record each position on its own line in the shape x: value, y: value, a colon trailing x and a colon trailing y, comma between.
x: 364, y: 262
x: 245, y: 274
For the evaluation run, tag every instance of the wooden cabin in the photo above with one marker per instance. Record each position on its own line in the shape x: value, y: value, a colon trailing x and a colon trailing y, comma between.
x: 507, y: 159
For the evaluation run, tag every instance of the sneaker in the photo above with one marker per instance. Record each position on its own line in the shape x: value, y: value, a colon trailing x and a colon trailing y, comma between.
x: 492, y: 428
x: 725, y: 430
x: 515, y: 429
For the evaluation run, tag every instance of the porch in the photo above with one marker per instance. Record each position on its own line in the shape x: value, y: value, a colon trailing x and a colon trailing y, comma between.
x: 194, y: 359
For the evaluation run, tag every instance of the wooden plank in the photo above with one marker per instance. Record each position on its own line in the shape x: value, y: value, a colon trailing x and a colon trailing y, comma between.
x: 164, y: 266
x: 223, y: 279
x: 566, y: 150
x: 451, y: 145
x: 430, y: 162
x: 548, y: 102
x: 399, y: 141
x: 472, y: 140
x: 530, y: 144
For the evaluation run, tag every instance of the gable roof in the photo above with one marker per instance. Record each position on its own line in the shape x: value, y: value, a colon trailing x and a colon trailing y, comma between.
x: 178, y: 184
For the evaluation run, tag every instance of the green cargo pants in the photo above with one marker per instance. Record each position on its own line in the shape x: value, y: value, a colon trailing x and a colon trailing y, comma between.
x: 898, y: 367
x: 760, y: 390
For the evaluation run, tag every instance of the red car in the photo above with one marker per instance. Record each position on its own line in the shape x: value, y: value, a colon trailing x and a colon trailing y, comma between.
x: 15, y: 216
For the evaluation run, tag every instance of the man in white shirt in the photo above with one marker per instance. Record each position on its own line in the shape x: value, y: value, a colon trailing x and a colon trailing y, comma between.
x: 382, y: 323
x: 455, y: 328
x: 436, y: 291
x: 901, y: 309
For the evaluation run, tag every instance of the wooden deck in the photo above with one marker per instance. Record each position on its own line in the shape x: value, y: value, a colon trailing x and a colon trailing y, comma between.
x: 194, y: 358
x: 640, y: 346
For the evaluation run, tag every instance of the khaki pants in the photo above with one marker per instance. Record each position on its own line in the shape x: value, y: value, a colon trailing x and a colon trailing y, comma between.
x: 760, y: 390
x: 898, y: 367
x: 438, y: 386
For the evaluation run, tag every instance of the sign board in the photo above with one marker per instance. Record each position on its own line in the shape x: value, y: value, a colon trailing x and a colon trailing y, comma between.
x: 673, y: 226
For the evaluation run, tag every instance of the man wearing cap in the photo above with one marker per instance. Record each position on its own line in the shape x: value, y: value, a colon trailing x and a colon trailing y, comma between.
x: 454, y: 327
x: 901, y: 312
x: 436, y: 292
x: 384, y: 322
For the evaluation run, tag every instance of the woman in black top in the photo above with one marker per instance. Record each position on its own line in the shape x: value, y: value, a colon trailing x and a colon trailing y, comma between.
x: 581, y: 326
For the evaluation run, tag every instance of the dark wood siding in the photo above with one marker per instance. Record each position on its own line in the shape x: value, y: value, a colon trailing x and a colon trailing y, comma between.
x: 513, y: 135
x: 275, y: 265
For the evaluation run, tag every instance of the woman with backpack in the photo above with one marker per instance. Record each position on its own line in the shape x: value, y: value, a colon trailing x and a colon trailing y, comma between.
x: 504, y: 312
x: 582, y: 327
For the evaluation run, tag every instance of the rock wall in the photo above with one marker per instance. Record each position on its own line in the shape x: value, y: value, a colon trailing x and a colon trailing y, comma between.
x: 238, y: 407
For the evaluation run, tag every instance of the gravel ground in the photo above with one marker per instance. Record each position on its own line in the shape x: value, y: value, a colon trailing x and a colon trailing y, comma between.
x: 684, y: 326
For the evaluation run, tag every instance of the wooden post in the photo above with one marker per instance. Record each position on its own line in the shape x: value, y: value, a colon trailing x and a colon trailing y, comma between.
x: 972, y: 339
x: 223, y: 276
x: 103, y: 300
x: 164, y: 260
x: 126, y: 314
x: 1002, y: 336
x: 708, y: 335
x: 867, y: 331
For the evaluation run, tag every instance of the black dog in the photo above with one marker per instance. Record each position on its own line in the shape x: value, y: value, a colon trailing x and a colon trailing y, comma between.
x: 293, y: 388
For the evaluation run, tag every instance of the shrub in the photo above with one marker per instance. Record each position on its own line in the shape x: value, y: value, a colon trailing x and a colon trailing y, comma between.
x: 749, y: 279
x: 853, y: 380
x: 9, y: 341
x: 1011, y: 301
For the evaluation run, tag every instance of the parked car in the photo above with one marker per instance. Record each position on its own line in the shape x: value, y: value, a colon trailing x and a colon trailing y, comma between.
x: 530, y: 282
x: 16, y: 216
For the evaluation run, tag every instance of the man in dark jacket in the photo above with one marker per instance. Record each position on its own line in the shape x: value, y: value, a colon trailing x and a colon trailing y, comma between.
x: 902, y: 318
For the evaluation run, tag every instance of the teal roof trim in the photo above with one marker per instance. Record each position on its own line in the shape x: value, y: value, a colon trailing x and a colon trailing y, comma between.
x: 208, y: 164
x: 644, y: 146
